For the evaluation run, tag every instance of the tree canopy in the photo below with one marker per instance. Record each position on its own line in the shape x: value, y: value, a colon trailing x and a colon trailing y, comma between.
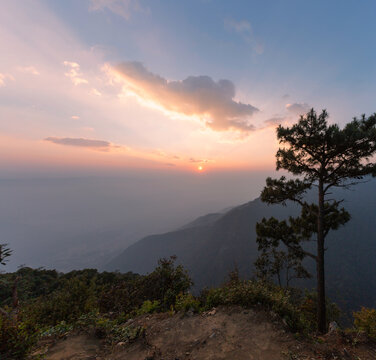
x: 321, y: 156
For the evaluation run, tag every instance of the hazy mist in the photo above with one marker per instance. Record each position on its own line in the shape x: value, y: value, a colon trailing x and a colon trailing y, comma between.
x: 76, y: 222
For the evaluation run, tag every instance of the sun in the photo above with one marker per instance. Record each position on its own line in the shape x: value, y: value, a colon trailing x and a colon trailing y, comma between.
x: 200, y: 168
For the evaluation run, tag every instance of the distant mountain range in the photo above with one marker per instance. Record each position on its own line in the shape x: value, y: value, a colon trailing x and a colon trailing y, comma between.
x: 211, y: 246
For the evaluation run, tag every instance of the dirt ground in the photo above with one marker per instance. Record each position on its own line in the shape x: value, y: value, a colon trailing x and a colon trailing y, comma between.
x: 224, y: 333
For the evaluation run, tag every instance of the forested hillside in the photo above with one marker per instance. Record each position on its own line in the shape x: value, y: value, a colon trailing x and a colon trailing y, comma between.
x: 212, y: 246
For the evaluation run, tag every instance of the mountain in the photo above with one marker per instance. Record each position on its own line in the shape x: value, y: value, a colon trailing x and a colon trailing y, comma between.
x: 213, y: 245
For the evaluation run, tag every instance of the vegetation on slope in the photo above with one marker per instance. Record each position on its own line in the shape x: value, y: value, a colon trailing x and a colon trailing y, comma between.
x: 104, y: 302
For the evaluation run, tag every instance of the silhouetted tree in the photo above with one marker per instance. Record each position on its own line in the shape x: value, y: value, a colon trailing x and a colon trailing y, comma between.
x: 5, y: 252
x: 284, y: 265
x: 322, y: 157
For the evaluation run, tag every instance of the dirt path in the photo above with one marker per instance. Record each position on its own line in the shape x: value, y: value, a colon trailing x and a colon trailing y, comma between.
x: 227, y: 333
x: 79, y: 347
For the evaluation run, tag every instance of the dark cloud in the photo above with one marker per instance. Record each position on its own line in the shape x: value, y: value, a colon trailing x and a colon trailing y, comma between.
x: 80, y: 142
x: 195, y: 95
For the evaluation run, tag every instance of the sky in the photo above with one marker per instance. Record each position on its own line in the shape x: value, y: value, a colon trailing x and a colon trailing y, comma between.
x: 174, y: 85
x: 149, y: 113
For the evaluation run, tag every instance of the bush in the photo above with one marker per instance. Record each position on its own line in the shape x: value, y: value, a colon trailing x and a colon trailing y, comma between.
x: 17, y: 338
x: 68, y: 304
x: 164, y: 284
x: 256, y: 293
x: 186, y: 302
x: 148, y: 307
x: 365, y: 320
x: 308, y: 306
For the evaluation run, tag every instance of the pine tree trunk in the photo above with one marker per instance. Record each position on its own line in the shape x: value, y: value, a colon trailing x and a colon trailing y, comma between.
x: 321, y: 308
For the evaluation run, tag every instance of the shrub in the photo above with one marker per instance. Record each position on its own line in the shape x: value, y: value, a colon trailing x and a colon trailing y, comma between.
x: 308, y: 306
x: 122, y: 333
x: 68, y: 304
x: 148, y: 307
x: 164, y: 284
x: 17, y: 338
x: 256, y: 293
x: 186, y: 302
x: 365, y: 320
x: 59, y: 330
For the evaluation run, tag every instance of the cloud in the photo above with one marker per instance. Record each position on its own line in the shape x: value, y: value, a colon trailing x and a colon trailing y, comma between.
x: 293, y: 111
x: 4, y: 77
x: 297, y: 108
x: 81, y: 142
x: 193, y: 160
x: 95, y: 92
x: 28, y: 70
x: 275, y: 120
x: 74, y: 73
x: 123, y: 8
x: 75, y: 117
x: 244, y: 29
x: 2, y: 80
x: 194, y: 96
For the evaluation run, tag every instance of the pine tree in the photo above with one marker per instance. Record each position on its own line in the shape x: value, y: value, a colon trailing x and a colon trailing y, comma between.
x: 321, y: 157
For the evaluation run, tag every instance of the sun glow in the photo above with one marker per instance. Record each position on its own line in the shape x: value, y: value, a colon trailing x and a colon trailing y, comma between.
x: 200, y: 168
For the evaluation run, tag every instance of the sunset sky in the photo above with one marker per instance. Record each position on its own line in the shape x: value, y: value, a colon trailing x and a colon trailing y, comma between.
x: 174, y: 85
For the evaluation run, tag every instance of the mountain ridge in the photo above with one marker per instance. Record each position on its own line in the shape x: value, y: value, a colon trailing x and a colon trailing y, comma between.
x: 210, y: 250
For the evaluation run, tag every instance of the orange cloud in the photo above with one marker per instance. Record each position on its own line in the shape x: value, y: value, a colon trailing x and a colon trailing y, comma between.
x: 194, y: 96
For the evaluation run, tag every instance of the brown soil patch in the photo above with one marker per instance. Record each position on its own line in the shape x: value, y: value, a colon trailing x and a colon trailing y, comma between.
x: 227, y: 333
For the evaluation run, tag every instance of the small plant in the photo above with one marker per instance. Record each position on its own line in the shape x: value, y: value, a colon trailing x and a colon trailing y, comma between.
x: 187, y: 302
x: 148, y: 307
x: 126, y: 334
x: 58, y: 330
x: 365, y: 320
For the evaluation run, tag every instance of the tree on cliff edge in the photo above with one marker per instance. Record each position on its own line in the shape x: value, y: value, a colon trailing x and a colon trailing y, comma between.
x: 322, y: 157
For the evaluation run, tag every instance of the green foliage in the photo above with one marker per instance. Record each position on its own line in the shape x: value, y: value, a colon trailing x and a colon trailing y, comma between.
x: 148, y: 307
x: 59, y: 330
x: 31, y: 283
x: 299, y: 312
x: 187, y: 302
x: 75, y: 298
x: 17, y: 337
x: 113, y: 330
x: 164, y: 284
x: 127, y: 334
x: 365, y: 320
x: 257, y: 293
